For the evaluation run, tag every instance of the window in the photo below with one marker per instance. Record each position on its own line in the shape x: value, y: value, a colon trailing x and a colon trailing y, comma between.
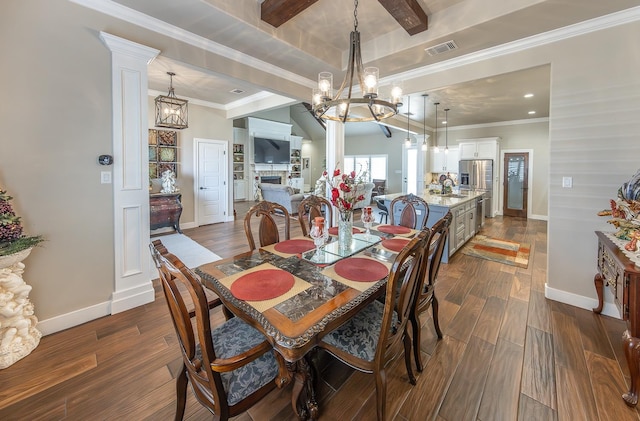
x: 374, y: 165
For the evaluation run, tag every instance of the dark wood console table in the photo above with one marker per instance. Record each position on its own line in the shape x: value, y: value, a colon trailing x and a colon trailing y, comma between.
x: 165, y: 210
x: 623, y: 278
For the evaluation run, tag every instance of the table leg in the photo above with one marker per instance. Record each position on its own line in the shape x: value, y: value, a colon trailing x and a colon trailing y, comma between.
x: 632, y: 353
x: 599, y: 283
x: 303, y: 395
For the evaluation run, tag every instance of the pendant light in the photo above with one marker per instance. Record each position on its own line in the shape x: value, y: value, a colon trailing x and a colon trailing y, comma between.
x: 407, y: 141
x: 446, y: 130
x: 436, y: 149
x: 424, y: 123
x: 171, y: 112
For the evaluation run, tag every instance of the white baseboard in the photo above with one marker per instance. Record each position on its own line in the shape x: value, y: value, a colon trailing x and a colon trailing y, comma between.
x: 539, y: 217
x: 124, y: 300
x: 132, y: 297
x: 587, y: 303
x: 74, y: 318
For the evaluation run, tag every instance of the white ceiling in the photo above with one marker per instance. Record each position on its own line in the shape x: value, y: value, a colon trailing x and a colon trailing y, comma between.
x: 317, y: 40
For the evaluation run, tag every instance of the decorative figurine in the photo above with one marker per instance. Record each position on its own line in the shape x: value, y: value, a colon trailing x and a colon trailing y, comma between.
x: 169, y: 182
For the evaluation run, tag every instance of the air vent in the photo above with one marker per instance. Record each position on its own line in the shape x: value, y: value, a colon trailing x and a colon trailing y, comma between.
x: 441, y: 48
x: 236, y: 91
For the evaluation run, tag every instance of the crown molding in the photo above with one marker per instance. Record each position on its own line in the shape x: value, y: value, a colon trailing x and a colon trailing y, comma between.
x: 126, y: 14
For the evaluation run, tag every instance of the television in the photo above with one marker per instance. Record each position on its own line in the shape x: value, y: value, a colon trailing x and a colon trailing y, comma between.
x: 270, y: 151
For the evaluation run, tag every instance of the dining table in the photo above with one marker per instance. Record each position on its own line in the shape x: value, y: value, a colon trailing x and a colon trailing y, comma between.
x: 295, y: 292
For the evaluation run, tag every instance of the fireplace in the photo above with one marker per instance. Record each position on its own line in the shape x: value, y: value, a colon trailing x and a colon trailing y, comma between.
x: 271, y: 179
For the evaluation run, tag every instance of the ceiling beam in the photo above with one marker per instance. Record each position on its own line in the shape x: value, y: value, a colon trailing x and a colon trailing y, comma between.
x: 385, y: 130
x: 319, y: 120
x: 277, y: 12
x: 408, y: 13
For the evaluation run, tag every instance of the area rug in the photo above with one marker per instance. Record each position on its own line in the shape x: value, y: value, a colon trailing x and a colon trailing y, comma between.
x: 498, y: 250
x: 191, y: 253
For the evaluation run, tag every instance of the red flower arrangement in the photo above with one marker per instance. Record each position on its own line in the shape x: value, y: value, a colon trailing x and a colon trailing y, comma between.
x: 344, y: 191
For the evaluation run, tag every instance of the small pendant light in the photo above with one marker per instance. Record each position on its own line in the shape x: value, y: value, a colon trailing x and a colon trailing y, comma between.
x: 436, y: 149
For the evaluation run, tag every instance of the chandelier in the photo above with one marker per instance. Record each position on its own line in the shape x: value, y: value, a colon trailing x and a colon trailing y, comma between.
x: 171, y: 112
x: 342, y: 106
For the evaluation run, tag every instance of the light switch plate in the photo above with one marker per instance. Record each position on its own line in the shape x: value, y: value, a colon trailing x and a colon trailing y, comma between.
x: 105, y: 177
x: 567, y: 182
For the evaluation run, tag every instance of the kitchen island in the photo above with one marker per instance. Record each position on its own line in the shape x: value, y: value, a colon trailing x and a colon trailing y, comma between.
x: 466, y: 208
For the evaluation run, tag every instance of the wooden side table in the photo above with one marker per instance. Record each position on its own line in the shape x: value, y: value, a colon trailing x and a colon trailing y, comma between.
x: 165, y: 210
x: 623, y: 278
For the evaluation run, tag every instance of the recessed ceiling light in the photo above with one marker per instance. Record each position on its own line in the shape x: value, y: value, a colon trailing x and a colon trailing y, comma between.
x: 531, y: 112
x: 528, y: 95
x: 236, y: 91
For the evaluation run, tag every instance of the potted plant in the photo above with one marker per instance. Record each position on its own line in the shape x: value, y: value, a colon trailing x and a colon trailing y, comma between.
x: 18, y: 334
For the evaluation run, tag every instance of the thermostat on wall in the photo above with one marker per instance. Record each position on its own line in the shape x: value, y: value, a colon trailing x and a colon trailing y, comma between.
x: 105, y: 160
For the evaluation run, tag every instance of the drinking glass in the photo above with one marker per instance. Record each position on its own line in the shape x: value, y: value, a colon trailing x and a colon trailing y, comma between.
x: 318, y: 234
x: 367, y: 219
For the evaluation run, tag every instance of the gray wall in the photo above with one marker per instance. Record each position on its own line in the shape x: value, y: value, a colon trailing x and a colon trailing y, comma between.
x: 525, y: 136
x: 57, y: 82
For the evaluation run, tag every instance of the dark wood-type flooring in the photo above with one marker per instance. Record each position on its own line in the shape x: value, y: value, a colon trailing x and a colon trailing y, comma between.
x: 507, y: 354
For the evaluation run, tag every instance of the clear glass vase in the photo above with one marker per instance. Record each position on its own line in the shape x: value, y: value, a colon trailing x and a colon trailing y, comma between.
x: 345, y: 229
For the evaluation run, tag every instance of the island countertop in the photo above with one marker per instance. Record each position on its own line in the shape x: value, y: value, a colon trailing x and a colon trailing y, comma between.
x: 463, y: 206
x: 447, y: 200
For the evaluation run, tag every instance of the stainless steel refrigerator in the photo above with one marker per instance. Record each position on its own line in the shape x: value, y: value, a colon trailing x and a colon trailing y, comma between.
x: 477, y: 175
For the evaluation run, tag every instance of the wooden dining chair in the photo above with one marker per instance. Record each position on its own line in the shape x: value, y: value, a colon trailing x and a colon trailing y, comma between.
x: 268, y: 232
x: 231, y: 366
x: 408, y: 215
x: 371, y: 338
x: 311, y: 207
x: 426, y: 296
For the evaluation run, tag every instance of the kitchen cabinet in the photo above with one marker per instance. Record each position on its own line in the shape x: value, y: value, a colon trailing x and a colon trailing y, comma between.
x: 485, y: 148
x: 444, y: 162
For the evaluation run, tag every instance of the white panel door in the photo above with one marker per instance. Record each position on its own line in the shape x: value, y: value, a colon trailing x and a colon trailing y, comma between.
x: 412, y: 175
x: 212, y: 181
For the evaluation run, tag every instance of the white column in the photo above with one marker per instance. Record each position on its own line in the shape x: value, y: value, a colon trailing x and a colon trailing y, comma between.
x: 335, y: 153
x: 132, y: 286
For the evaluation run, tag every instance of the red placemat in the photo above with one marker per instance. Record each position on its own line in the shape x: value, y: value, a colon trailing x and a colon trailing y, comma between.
x: 334, y: 231
x: 395, y: 244
x: 393, y: 229
x: 294, y: 246
x: 262, y: 285
x: 361, y: 270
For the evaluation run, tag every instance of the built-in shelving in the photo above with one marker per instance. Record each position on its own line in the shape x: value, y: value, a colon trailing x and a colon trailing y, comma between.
x: 238, y: 161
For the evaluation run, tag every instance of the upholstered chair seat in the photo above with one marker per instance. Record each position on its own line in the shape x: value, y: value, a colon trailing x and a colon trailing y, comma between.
x: 360, y: 335
x: 233, y: 338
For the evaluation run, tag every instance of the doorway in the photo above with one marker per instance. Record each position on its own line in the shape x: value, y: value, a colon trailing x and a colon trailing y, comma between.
x: 412, y: 169
x: 516, y: 184
x: 211, y: 181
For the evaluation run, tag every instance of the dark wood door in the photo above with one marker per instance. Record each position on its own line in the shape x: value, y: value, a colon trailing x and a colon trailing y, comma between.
x: 516, y: 182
